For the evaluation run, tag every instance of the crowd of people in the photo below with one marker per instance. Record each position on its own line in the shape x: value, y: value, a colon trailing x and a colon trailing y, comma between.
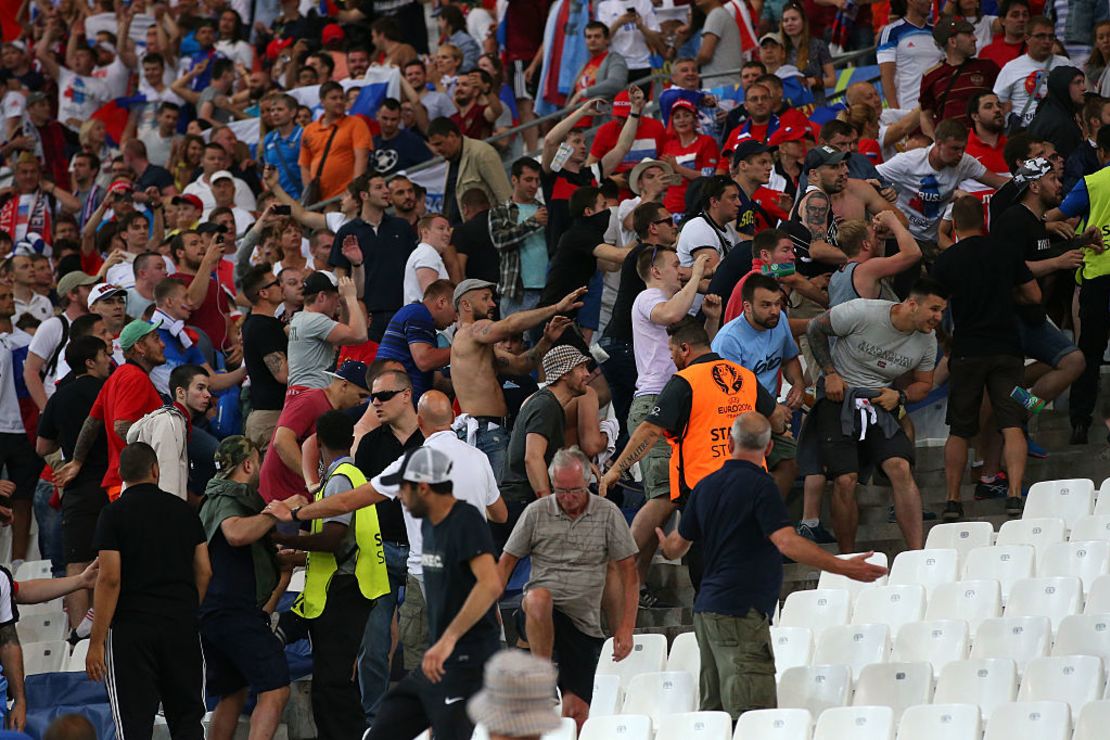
x: 242, y: 338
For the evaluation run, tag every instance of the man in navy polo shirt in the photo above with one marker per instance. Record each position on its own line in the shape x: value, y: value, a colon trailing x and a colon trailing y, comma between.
x: 410, y: 337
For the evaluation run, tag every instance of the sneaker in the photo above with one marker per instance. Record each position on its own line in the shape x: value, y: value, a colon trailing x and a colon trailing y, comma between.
x: 953, y: 511
x: 817, y: 534
x: 997, y: 488
x: 1035, y: 450
x: 1014, y: 505
x: 1079, y: 434
x: 649, y: 600
x: 926, y: 516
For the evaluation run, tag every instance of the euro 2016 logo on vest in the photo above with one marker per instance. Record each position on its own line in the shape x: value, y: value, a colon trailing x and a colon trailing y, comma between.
x: 727, y: 379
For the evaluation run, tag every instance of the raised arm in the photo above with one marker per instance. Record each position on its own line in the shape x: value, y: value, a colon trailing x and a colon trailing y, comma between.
x: 627, y: 138
x: 559, y: 132
x: 672, y: 311
x: 909, y: 253
x: 492, y: 332
x: 354, y: 331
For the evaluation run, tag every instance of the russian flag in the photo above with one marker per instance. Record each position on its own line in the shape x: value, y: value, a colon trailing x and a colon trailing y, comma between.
x: 378, y: 84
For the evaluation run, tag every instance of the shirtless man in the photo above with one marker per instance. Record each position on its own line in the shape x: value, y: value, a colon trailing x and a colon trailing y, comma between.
x: 475, y: 358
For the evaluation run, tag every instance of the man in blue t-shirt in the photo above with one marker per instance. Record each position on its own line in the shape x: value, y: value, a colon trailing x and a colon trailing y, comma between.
x: 282, y: 146
x: 760, y: 340
x: 410, y: 337
x: 396, y: 148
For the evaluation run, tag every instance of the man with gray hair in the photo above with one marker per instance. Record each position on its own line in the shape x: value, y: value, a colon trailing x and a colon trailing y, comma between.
x: 739, y: 517
x: 572, y: 538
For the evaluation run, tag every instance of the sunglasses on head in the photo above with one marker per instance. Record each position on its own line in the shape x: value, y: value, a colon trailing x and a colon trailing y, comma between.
x: 384, y: 396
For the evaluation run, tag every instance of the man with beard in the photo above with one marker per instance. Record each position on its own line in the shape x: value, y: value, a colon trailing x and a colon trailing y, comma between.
x: 196, y: 268
x: 29, y: 206
x: 986, y: 140
x: 477, y: 113
x: 402, y: 198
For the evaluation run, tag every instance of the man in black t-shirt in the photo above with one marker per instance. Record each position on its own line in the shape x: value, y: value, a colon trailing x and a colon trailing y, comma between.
x: 461, y: 586
x: 154, y: 571
x: 477, y: 256
x: 265, y: 352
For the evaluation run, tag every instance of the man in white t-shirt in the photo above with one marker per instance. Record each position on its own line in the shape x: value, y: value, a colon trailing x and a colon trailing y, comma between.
x: 1023, y: 82
x: 925, y: 179
x: 633, y: 32
x: 215, y: 161
x: 906, y: 50
x: 713, y: 226
x: 46, y: 355
x: 79, y: 93
x: 425, y: 264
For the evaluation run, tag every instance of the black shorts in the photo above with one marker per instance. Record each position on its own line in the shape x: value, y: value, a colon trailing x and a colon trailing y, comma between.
x: 998, y: 375
x: 241, y: 650
x: 23, y: 465
x: 81, y: 507
x: 576, y: 654
x: 842, y: 454
x: 415, y: 704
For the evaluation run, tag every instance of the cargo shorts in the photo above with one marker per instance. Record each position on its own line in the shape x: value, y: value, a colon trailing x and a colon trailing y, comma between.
x: 737, y: 662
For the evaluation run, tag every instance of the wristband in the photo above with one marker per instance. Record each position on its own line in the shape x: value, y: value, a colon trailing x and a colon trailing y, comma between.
x: 901, y: 398
x: 293, y: 513
x: 634, y: 115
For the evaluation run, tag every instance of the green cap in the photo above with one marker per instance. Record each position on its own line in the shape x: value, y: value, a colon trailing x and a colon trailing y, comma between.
x: 231, y: 452
x: 135, y: 331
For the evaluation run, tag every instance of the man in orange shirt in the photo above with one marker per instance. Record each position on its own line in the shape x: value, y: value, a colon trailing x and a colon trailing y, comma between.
x: 349, y: 153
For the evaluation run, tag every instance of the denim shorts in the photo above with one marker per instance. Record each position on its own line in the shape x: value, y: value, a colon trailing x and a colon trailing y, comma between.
x: 1044, y: 342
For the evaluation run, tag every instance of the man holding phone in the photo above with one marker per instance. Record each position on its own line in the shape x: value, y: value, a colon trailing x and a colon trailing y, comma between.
x: 634, y: 32
x: 282, y: 145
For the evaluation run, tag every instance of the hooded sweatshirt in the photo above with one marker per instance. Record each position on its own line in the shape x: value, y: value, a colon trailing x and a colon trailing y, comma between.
x: 1056, y: 116
x: 234, y: 567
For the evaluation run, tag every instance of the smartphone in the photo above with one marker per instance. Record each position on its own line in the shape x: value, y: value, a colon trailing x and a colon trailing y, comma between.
x: 630, y: 11
x: 282, y: 210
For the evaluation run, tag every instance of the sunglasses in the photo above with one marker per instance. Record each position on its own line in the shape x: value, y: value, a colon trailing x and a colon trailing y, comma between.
x: 383, y: 396
x: 270, y: 285
x: 661, y: 221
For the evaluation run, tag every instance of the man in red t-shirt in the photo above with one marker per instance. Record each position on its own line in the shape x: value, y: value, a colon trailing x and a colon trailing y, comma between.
x: 127, y: 396
x: 651, y: 137
x: 475, y: 117
x: 946, y: 88
x: 986, y: 141
x: 282, y: 475
x: 195, y: 257
x: 1011, y: 43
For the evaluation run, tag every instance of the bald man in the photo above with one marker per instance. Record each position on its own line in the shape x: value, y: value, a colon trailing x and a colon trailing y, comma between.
x: 473, y: 481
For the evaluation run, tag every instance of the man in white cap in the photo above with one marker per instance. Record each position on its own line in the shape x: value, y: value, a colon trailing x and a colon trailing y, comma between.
x: 515, y: 702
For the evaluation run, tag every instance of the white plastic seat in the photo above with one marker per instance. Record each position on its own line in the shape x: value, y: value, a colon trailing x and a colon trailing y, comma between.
x: 947, y: 721
x: 960, y: 536
x: 774, y: 724
x: 54, y: 606
x: 1005, y: 564
x: 815, y: 687
x: 855, y: 645
x: 567, y: 730
x: 684, y: 654
x: 1093, y: 527
x: 1075, y: 679
x: 816, y: 609
x: 1050, y: 597
x: 44, y: 657
x: 1102, y: 501
x: 648, y: 655
x: 890, y: 605
x: 76, y: 660
x: 31, y: 569
x: 1084, y: 634
x: 1068, y: 499
x: 659, y: 694
x: 624, y: 726
x: 42, y: 627
x: 1039, y: 532
x: 607, y: 695
x: 971, y: 601
x: 1020, y: 638
x: 894, y: 685
x: 938, y: 643
x: 929, y: 568
x: 1093, y: 721
x: 833, y: 580
x: 793, y: 646
x: 1087, y: 560
x: 696, y: 726
x: 1039, y: 720
x: 987, y: 683
x: 1098, y: 596
x: 856, y: 723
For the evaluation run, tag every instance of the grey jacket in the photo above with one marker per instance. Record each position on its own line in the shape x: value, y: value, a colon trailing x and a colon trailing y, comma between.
x: 612, y: 76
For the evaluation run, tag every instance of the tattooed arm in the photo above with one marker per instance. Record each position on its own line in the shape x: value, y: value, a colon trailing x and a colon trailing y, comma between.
x: 11, y: 658
x: 492, y: 332
x: 646, y: 435
x: 814, y: 211
x: 818, y: 333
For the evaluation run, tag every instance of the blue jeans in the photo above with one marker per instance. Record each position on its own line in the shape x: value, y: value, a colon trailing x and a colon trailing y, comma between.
x: 373, y: 656
x: 50, y: 529
x: 494, y: 443
x: 620, y: 373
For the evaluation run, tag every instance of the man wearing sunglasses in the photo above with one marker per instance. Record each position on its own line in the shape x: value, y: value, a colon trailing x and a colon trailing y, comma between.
x: 265, y: 354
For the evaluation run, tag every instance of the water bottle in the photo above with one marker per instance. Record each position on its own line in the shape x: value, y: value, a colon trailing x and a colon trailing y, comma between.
x: 1028, y: 401
x: 778, y: 270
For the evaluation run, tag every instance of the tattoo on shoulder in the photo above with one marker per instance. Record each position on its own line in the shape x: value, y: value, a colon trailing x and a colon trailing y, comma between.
x: 8, y: 635
x: 815, y: 214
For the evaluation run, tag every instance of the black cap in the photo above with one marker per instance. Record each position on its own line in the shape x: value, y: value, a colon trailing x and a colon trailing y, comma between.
x: 819, y: 156
x: 948, y: 28
x: 747, y: 147
x: 209, y: 227
x: 320, y: 281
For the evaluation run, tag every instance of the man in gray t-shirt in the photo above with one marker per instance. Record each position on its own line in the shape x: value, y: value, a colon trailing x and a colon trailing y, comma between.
x: 314, y: 336
x: 858, y: 420
x: 720, y: 46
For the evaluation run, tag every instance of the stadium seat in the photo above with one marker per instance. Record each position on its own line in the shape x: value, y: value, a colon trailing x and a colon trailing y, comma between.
x: 685, y: 656
x: 816, y: 609
x: 1093, y: 721
x: 1098, y: 596
x: 929, y: 568
x: 1020, y: 638
x: 856, y: 723
x: 938, y: 643
x: 960, y: 536
x: 1093, y: 527
x: 890, y: 605
x: 76, y: 660
x: 42, y: 627
x: 815, y: 687
x: 607, y: 696
x: 793, y: 646
x: 854, y: 645
x: 1068, y: 499
x: 971, y: 601
x: 695, y: 726
x: 31, y: 569
x: 1005, y: 564
x: 985, y: 683
x: 296, y: 582
x: 833, y: 580
x: 624, y: 726
x: 1052, y: 597
x: 659, y: 694
x: 649, y: 655
x: 1040, y: 533
x: 774, y: 724
x: 894, y: 685
x: 54, y: 606
x: 1075, y: 679
x: 1087, y: 560
x: 936, y: 721
x: 1039, y: 720
x: 1102, y: 501
x: 1084, y: 634
x: 44, y: 657
x: 567, y: 730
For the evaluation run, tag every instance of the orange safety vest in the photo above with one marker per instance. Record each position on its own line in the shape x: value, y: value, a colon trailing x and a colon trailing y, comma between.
x: 722, y: 390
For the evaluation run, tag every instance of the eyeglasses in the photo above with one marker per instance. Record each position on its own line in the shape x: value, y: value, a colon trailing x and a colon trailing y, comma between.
x: 384, y: 396
x: 271, y: 285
